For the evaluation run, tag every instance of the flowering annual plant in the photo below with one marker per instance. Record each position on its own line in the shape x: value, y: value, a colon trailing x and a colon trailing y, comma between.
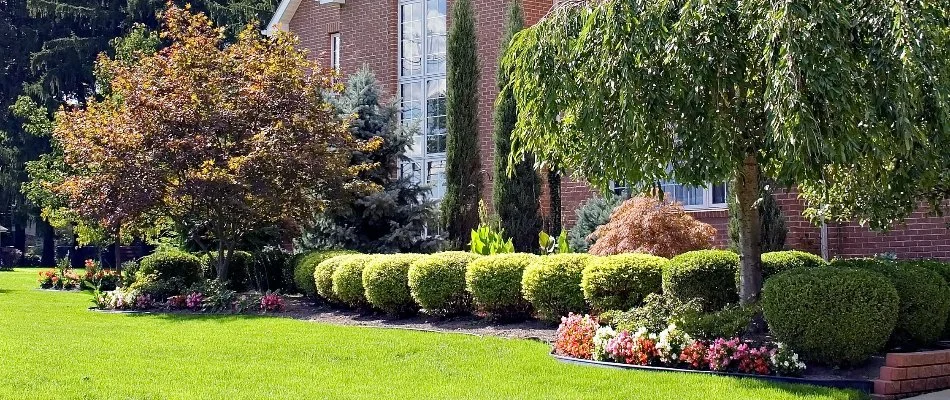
x: 64, y: 279
x: 601, y: 338
x: 621, y: 347
x: 694, y: 355
x: 194, y: 300
x: 756, y: 361
x: 723, y: 352
x: 48, y: 278
x: 97, y: 278
x: 785, y: 362
x: 272, y: 302
x: 177, y: 302
x: 671, y: 343
x: 575, y: 336
x: 144, y: 302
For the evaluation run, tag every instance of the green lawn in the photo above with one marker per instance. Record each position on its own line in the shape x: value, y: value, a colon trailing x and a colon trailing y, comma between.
x: 52, y: 347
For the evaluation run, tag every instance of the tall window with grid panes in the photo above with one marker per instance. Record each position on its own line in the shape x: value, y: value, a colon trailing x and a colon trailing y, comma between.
x: 711, y: 197
x: 422, y: 60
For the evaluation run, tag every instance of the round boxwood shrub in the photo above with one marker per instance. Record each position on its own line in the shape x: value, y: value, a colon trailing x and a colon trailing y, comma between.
x: 776, y: 262
x: 386, y: 283
x: 495, y: 284
x: 621, y: 282
x: 323, y: 276
x: 552, y: 284
x: 942, y: 268
x: 924, y: 300
x: 437, y: 282
x: 830, y: 315
x: 307, y: 264
x: 707, y: 276
x: 348, y: 280
x: 166, y: 265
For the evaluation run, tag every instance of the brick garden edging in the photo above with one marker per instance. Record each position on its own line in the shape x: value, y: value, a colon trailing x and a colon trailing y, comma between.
x: 909, y: 374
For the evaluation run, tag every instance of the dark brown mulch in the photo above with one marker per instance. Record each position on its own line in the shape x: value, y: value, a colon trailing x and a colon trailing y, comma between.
x: 306, y: 309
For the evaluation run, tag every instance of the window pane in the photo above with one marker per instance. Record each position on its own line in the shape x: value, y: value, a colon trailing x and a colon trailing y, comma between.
x: 719, y: 194
x: 412, y: 116
x: 411, y: 39
x: 435, y: 36
x: 435, y: 177
x: 435, y: 116
x: 685, y: 195
x: 411, y: 170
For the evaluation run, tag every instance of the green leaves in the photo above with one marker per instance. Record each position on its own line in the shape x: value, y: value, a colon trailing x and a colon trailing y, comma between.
x: 487, y: 241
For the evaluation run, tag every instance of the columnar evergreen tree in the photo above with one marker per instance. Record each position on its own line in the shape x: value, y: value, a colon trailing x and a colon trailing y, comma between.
x: 515, y: 193
x: 774, y: 230
x: 462, y: 175
x: 554, y: 194
x: 823, y: 95
x: 388, y: 221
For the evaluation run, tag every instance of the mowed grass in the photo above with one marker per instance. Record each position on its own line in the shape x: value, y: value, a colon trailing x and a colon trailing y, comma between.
x: 53, y: 347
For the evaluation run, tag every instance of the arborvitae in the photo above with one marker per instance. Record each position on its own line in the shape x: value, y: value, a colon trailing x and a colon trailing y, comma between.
x: 462, y: 171
x: 554, y: 191
x: 774, y: 230
x: 393, y: 219
x: 514, y: 196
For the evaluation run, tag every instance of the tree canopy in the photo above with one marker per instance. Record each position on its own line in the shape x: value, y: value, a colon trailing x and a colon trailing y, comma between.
x: 821, y: 94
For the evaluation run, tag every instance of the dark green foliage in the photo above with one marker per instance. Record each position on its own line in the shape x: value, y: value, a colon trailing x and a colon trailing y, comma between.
x: 170, y: 264
x: 554, y: 207
x: 437, y: 282
x: 622, y: 281
x: 462, y: 171
x: 777, y: 262
x: 942, y: 268
x: 305, y: 266
x: 835, y: 316
x: 772, y: 221
x: 270, y: 270
x: 732, y: 321
x: 657, y: 312
x: 592, y: 214
x: 495, y: 284
x: 348, y: 280
x: 239, y: 267
x: 705, y: 275
x: 386, y: 283
x: 161, y: 289
x: 514, y: 196
x: 392, y: 219
x: 323, y: 276
x: 552, y: 284
x: 924, y: 300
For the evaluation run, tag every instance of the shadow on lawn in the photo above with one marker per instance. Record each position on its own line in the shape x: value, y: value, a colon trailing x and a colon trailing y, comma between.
x: 801, y: 391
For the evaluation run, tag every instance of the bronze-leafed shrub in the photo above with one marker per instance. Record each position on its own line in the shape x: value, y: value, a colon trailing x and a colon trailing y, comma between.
x: 649, y: 225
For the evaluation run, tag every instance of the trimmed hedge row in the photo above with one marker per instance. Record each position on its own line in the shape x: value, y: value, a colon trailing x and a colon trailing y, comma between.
x: 708, y: 276
x: 305, y: 266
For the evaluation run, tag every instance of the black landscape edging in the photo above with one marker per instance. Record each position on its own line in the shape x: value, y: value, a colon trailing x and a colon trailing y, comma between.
x: 856, y: 384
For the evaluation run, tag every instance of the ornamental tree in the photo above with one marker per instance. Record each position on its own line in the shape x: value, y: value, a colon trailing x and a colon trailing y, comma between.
x: 221, y: 140
x: 803, y: 92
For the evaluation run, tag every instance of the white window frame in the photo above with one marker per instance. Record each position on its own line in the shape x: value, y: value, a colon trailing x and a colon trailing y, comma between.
x: 336, y: 50
x: 707, y: 204
x: 421, y: 80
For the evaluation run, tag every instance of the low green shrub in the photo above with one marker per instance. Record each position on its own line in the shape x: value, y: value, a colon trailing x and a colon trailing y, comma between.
x: 657, y: 312
x: 437, y: 282
x: 552, y: 284
x: 942, y: 268
x: 348, y: 280
x: 705, y: 275
x: 924, y: 300
x: 732, y: 321
x: 386, y: 283
x: 238, y: 268
x: 160, y: 289
x: 270, y: 270
x: 836, y: 316
x: 495, y: 284
x: 166, y: 265
x: 323, y: 276
x: 622, y: 281
x: 776, y: 262
x: 305, y: 266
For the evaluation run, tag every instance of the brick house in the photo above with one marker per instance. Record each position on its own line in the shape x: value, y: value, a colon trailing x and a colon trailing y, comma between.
x: 403, y: 42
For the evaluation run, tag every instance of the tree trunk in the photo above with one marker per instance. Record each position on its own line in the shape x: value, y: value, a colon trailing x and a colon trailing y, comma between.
x: 48, y: 258
x: 116, y: 249
x: 750, y: 237
x: 222, y: 262
x: 19, y: 237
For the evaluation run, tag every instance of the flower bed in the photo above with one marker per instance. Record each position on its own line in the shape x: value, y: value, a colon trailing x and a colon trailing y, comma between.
x: 582, y: 339
x: 216, y: 300
x: 65, y: 278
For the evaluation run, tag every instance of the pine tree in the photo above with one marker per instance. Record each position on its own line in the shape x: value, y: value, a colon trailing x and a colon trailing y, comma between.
x: 515, y: 196
x: 773, y: 230
x: 393, y: 219
x: 462, y: 175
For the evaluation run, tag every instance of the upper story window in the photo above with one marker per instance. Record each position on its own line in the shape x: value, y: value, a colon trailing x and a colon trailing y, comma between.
x: 422, y: 59
x: 336, y: 48
x: 693, y: 198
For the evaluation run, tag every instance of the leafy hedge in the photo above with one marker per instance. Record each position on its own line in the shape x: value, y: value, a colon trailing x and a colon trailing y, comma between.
x: 437, y: 282
x: 924, y: 299
x: 622, y: 281
x: 837, y: 316
x: 705, y: 275
x: 323, y: 276
x: 942, y: 268
x: 386, y: 283
x: 552, y: 284
x: 348, y: 280
x: 167, y: 265
x: 776, y: 262
x: 307, y: 264
x: 495, y: 284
